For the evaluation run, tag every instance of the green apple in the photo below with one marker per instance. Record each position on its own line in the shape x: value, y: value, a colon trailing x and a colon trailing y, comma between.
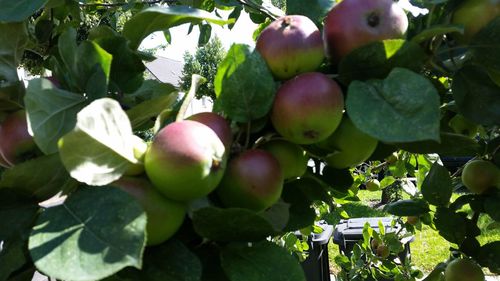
x: 292, y: 158
x: 372, y: 185
x: 164, y: 216
x: 475, y: 15
x: 307, y: 108
x: 15, y: 139
x: 185, y: 160
x: 349, y: 146
x: 351, y: 24
x: 479, y: 175
x: 291, y: 45
x: 463, y: 126
x: 253, y: 180
x: 463, y: 270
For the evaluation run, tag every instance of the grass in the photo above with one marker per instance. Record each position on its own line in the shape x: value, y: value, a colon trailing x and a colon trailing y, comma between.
x: 428, y: 249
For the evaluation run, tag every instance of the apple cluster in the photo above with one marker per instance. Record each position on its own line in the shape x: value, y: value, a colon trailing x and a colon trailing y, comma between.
x: 194, y: 158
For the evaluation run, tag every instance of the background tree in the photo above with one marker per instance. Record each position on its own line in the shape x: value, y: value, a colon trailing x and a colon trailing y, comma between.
x: 205, y: 63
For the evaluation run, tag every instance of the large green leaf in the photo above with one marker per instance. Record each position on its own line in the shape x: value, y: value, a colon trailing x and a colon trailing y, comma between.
x: 127, y: 68
x: 13, y: 39
x: 231, y: 224
x: 27, y: 177
x: 93, y: 234
x: 162, y: 18
x: 260, y: 261
x: 170, y: 261
x: 492, y: 206
x: 485, y: 45
x: 51, y: 112
x: 93, y: 65
x: 437, y: 186
x: 476, y: 95
x: 301, y: 212
x: 410, y: 207
x: 450, y: 145
x: 489, y: 256
x: 402, y: 108
x: 376, y: 60
x: 100, y: 148
x: 451, y: 225
x: 244, y: 85
x: 19, y: 10
x: 12, y: 257
x: 17, y: 214
x: 316, y: 10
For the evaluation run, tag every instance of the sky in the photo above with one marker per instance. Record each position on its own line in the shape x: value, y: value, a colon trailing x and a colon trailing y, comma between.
x: 181, y: 42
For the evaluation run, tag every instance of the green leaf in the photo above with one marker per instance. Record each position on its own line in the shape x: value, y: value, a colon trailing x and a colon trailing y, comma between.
x: 19, y: 10
x: 451, y: 226
x: 316, y: 10
x: 162, y: 18
x: 205, y: 33
x: 12, y: 257
x: 410, y: 207
x: 13, y: 39
x: 278, y: 215
x: 402, y: 108
x: 100, y: 148
x: 386, y: 181
x: 376, y: 60
x: 145, y: 111
x: 489, y: 256
x: 485, y: 45
x: 340, y: 180
x: 238, y: 93
x: 260, y: 261
x: 450, y: 145
x: 301, y: 212
x: 492, y: 206
x: 93, y: 66
x: 437, y: 186
x: 231, y: 224
x: 170, y: 261
x: 51, y: 113
x: 476, y: 95
x: 127, y: 68
x: 436, y: 30
x: 93, y: 234
x: 17, y: 214
x: 27, y: 177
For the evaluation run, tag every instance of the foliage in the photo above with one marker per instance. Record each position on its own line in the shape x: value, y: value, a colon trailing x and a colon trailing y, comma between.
x: 205, y: 62
x: 85, y: 118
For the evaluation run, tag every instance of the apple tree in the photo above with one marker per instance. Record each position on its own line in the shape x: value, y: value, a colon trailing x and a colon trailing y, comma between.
x: 331, y: 97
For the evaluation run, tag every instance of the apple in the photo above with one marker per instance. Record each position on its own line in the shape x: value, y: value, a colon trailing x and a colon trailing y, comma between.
x: 185, y: 160
x: 413, y: 220
x: 474, y: 15
x: 164, y: 216
x: 463, y: 126
x: 372, y: 185
x: 292, y: 158
x: 463, y: 270
x: 217, y: 123
x: 291, y: 45
x: 253, y: 180
x: 15, y: 139
x: 479, y: 175
x: 351, y: 24
x: 307, y: 108
x: 349, y: 146
x: 382, y: 251
x: 374, y: 243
